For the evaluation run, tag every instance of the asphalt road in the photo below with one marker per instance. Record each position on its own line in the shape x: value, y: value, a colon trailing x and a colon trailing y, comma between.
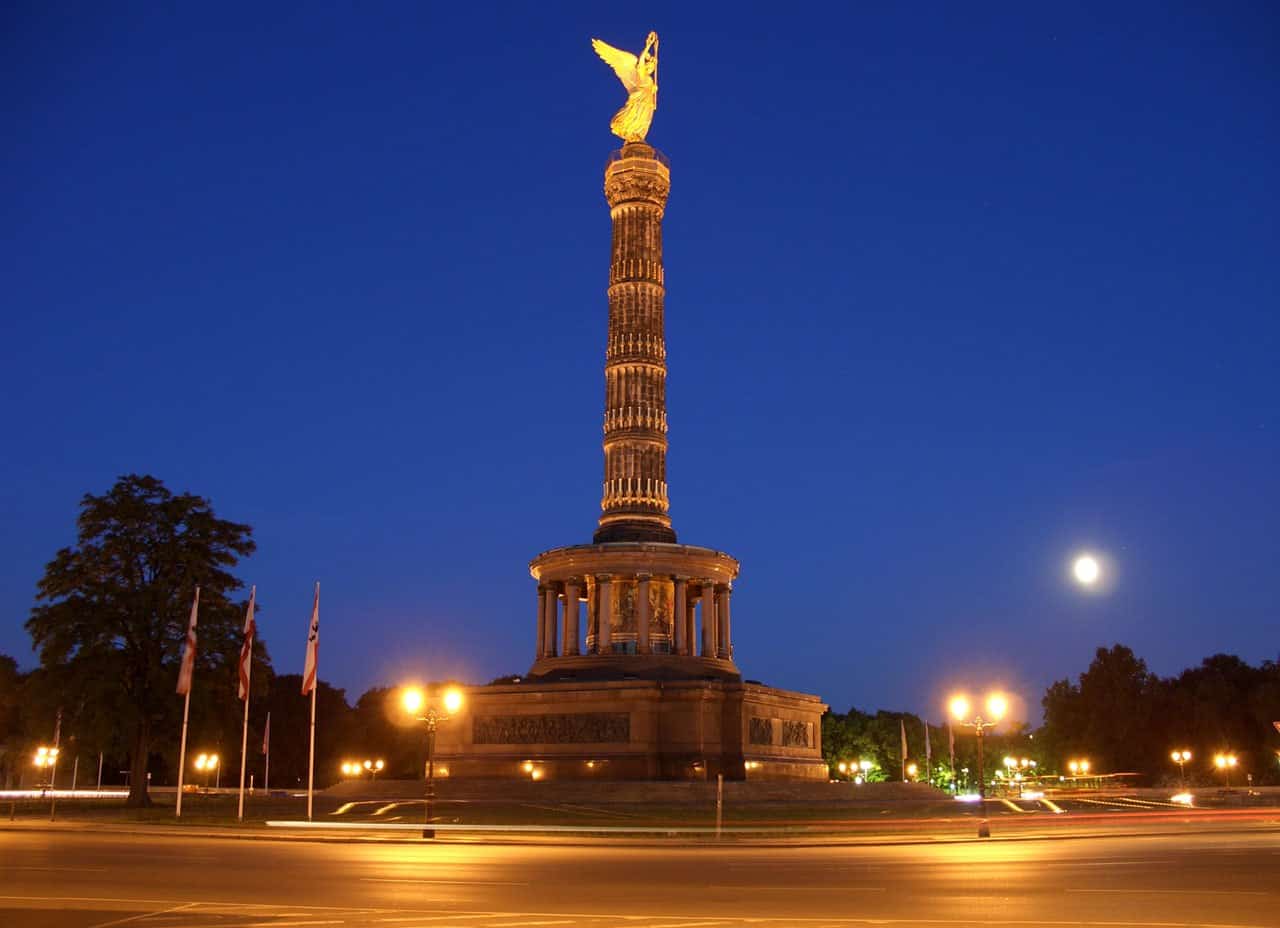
x: 77, y: 880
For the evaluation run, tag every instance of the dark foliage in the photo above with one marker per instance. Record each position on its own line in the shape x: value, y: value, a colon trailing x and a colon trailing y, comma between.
x: 111, y: 611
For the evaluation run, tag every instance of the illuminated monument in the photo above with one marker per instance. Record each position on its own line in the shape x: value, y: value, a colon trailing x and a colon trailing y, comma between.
x: 634, y: 674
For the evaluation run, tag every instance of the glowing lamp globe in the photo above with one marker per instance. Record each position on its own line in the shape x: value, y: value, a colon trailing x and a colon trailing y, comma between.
x: 412, y: 699
x: 997, y: 706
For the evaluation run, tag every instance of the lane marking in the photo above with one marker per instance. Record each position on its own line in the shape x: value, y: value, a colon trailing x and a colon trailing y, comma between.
x: 1183, y: 892
x: 789, y: 889
x: 65, y: 869
x: 142, y: 915
x: 437, y: 918
x: 412, y: 879
x: 274, y: 923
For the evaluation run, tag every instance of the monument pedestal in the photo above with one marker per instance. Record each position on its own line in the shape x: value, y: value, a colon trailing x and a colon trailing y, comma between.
x: 635, y: 730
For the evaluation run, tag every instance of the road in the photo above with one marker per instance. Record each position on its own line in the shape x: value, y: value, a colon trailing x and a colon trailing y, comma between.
x: 76, y: 879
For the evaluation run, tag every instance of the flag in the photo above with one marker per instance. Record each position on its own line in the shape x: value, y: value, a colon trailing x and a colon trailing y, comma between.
x: 189, y: 650
x: 246, y: 649
x: 951, y: 747
x: 902, y: 727
x: 266, y: 736
x: 928, y: 751
x: 313, y: 647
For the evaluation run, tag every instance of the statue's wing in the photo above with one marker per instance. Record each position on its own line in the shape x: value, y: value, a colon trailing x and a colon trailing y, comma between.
x: 623, y: 63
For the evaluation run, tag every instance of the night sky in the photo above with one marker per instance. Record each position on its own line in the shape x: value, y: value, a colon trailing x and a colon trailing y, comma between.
x: 954, y: 292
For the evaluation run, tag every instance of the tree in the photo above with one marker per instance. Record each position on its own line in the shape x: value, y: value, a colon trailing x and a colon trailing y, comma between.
x: 118, y: 602
x: 291, y: 731
x: 11, y: 741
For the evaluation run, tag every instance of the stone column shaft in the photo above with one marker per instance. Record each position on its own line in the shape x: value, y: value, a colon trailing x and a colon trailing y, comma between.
x: 680, y: 618
x: 709, y: 620
x: 549, y: 614
x: 642, y: 616
x: 634, y: 500
x: 726, y: 643
x: 604, y: 619
x: 570, y: 645
x: 542, y: 623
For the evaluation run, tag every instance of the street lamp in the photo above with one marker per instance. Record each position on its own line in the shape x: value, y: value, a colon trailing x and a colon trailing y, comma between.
x: 1180, y: 758
x: 45, y: 760
x: 416, y: 702
x: 997, y: 706
x: 1225, y: 763
x: 843, y: 767
x: 373, y: 767
x: 208, y: 763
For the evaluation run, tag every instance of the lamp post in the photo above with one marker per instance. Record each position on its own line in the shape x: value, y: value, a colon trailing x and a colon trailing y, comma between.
x: 1180, y: 758
x: 208, y: 764
x: 415, y: 702
x: 959, y: 707
x: 1225, y: 763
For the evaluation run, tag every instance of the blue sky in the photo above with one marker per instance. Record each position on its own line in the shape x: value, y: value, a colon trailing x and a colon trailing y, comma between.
x: 953, y: 293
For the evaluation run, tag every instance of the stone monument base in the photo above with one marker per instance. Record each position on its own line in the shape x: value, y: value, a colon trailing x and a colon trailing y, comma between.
x: 634, y: 730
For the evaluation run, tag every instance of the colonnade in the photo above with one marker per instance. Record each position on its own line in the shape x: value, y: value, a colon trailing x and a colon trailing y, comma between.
x: 559, y: 630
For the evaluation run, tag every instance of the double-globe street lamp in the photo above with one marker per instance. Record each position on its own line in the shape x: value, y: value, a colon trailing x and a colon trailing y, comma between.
x: 1180, y: 757
x: 45, y: 760
x: 1226, y: 763
x: 960, y: 708
x: 208, y: 763
x: 417, y: 702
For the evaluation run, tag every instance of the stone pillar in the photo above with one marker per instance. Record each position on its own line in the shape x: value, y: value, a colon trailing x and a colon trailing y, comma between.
x: 551, y: 600
x: 542, y: 622
x: 690, y: 623
x: 604, y: 617
x: 634, y: 502
x: 642, y: 615
x: 570, y: 645
x: 709, y: 620
x: 680, y: 617
x: 726, y: 642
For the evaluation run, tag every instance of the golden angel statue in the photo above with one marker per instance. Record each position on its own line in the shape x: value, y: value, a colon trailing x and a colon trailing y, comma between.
x: 640, y: 77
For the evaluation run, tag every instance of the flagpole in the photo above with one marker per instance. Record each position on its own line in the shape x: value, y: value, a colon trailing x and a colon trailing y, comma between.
x: 266, y: 771
x: 311, y: 682
x: 311, y: 763
x: 184, y: 684
x: 244, y: 751
x: 182, y: 751
x: 246, y: 665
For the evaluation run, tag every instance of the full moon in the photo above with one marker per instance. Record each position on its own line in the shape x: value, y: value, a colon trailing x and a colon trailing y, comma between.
x: 1086, y: 569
